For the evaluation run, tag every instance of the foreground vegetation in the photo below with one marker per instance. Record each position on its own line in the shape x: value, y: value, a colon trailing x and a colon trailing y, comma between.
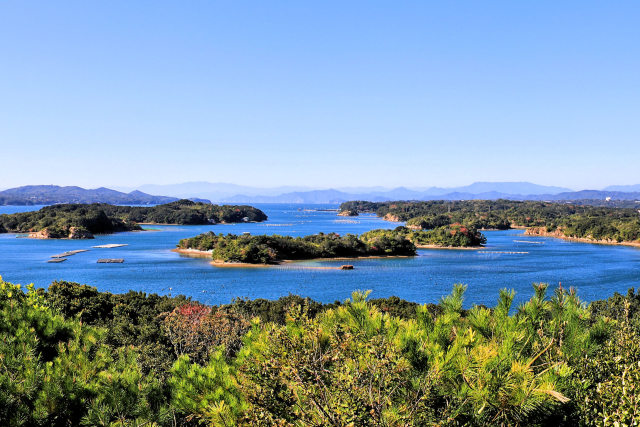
x: 74, y: 356
x: 82, y: 221
x: 563, y: 220
x: 263, y: 249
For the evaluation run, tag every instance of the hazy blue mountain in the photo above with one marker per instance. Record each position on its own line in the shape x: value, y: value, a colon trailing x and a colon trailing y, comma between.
x: 50, y: 194
x: 590, y: 194
x: 216, y: 191
x: 336, y: 196
x: 231, y: 193
x: 315, y: 196
x: 224, y: 192
x: 623, y: 188
x: 480, y: 190
x: 527, y: 188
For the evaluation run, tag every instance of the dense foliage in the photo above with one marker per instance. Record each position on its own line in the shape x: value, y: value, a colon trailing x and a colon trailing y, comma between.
x: 272, y: 249
x: 59, y: 220
x: 98, y: 218
x: 188, y: 213
x: 453, y: 236
x: 75, y: 356
x: 579, y: 221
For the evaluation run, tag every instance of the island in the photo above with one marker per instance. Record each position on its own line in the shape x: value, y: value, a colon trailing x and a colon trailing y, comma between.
x: 275, y: 249
x: 592, y: 224
x: 83, y: 221
x: 187, y: 212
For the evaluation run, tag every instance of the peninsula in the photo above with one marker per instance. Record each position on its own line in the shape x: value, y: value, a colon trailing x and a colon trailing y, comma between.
x: 82, y: 221
x: 592, y: 224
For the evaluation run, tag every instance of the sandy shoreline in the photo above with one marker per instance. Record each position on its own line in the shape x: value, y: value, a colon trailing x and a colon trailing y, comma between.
x: 207, y: 254
x: 538, y: 233
x: 193, y: 252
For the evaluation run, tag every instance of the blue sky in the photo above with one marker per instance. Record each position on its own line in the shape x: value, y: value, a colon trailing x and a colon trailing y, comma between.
x: 324, y: 94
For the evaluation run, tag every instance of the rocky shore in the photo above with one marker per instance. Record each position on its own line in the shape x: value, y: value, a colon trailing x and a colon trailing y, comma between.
x: 74, y: 233
x: 559, y: 234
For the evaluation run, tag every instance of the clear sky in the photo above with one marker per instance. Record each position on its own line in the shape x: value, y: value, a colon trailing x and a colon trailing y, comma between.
x: 325, y: 94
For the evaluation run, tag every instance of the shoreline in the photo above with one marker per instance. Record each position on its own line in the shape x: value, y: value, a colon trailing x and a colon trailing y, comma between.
x: 534, y: 232
x: 209, y: 223
x: 195, y: 253
x: 207, y: 254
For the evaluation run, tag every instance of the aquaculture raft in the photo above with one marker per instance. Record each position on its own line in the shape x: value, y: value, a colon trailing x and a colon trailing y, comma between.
x: 69, y: 253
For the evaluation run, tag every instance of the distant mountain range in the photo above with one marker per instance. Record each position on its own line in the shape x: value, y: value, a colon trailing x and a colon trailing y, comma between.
x: 221, y: 192
x: 624, y: 188
x: 335, y: 196
x: 51, y: 194
x: 231, y: 193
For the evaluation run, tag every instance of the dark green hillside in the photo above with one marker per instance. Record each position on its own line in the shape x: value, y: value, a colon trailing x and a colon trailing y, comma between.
x: 187, y: 212
x: 561, y: 220
x: 61, y: 221
x: 82, y: 221
x: 272, y: 249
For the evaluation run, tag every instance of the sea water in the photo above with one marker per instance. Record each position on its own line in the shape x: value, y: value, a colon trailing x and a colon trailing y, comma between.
x: 510, y: 260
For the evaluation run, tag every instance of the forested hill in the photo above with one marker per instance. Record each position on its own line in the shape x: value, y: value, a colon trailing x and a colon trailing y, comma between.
x: 186, y: 212
x: 558, y: 219
x: 273, y: 249
x: 84, y: 220
x: 52, y: 194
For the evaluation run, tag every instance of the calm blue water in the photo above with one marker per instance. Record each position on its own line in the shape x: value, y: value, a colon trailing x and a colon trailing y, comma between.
x: 150, y: 265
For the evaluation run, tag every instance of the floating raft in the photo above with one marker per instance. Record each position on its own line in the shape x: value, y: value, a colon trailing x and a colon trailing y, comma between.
x: 110, y: 261
x: 111, y: 245
x: 529, y: 241
x: 69, y: 253
x: 56, y: 260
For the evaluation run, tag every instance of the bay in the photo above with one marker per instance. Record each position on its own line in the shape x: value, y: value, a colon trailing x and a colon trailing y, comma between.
x: 510, y: 260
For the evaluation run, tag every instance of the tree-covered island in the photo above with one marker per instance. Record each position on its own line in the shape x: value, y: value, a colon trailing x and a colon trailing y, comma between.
x: 587, y: 223
x: 263, y: 249
x: 82, y: 221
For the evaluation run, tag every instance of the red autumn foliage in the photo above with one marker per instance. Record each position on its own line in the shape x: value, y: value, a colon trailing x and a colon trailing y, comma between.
x: 196, y: 329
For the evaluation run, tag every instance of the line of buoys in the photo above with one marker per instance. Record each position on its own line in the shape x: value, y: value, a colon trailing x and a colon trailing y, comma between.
x: 501, y: 252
